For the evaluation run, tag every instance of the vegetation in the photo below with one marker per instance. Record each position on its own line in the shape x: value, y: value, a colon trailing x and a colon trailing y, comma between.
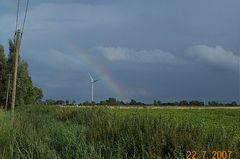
x: 68, y: 132
x: 115, y: 102
x: 26, y: 93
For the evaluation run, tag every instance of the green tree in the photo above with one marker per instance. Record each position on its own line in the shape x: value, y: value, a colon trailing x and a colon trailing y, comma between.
x: 26, y: 92
x: 60, y: 102
x: 183, y: 103
x: 67, y: 102
x: 73, y: 102
x: 133, y: 102
x: 112, y: 101
x: 234, y: 103
x: 50, y: 102
x: 3, y: 75
x: 38, y: 95
x: 11, y: 57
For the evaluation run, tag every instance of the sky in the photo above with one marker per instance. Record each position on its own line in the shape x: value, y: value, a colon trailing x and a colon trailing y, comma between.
x: 137, y: 49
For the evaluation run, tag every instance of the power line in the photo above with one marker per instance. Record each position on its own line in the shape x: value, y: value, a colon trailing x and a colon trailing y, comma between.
x: 25, y: 17
x: 18, y: 6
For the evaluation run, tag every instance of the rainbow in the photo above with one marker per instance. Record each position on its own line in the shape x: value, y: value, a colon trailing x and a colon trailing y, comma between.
x: 107, y: 79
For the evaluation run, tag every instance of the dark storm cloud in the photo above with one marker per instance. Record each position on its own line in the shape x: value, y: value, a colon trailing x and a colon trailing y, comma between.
x: 157, y: 49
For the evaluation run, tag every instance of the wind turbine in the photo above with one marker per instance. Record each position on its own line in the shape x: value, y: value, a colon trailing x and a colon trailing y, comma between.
x: 92, y: 83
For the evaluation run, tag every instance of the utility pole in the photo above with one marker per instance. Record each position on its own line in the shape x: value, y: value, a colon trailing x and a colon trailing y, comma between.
x: 16, y: 49
x: 8, y: 88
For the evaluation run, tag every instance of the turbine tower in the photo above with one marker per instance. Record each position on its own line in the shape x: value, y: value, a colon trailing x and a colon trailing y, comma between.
x: 92, y: 83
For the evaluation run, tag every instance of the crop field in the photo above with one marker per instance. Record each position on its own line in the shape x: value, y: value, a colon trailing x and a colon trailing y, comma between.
x: 47, y: 132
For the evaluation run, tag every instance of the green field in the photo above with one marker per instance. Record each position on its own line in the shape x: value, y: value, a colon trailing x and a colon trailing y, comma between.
x: 44, y: 132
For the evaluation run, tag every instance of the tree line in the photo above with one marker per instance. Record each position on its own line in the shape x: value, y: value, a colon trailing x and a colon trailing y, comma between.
x: 115, y: 102
x: 26, y: 92
x: 194, y: 103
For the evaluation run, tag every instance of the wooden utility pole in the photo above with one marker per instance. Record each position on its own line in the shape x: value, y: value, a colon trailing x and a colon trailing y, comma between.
x: 8, y: 89
x: 16, y: 49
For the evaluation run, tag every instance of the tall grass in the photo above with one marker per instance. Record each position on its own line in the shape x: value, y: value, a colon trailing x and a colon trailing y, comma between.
x: 70, y: 133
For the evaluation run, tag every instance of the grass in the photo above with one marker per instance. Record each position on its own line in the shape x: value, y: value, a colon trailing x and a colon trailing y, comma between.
x: 213, y: 119
x: 69, y: 133
x: 1, y: 114
x: 4, y: 133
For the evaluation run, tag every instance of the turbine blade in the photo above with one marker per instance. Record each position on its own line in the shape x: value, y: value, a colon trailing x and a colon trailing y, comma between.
x: 90, y: 76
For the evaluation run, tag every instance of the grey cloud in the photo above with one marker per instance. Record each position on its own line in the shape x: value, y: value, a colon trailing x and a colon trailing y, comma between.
x: 7, y: 23
x: 66, y: 20
x: 54, y: 85
x: 141, y: 56
x: 216, y: 56
x: 56, y: 60
x: 103, y: 15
